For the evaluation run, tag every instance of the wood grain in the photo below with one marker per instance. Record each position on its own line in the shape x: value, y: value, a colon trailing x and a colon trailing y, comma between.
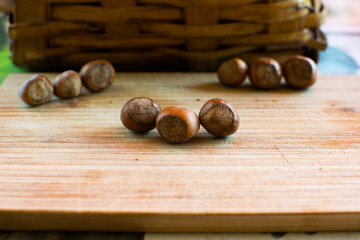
x: 292, y: 166
x: 252, y: 236
x: 69, y: 235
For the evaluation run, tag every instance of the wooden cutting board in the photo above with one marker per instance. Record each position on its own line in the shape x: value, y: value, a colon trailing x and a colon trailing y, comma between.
x: 294, y: 164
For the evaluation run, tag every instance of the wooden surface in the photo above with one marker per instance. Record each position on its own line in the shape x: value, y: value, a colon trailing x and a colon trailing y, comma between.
x: 254, y: 236
x: 293, y: 165
x: 52, y: 235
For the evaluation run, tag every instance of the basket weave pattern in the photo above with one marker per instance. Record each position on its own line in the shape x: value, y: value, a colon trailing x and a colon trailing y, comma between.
x: 162, y: 34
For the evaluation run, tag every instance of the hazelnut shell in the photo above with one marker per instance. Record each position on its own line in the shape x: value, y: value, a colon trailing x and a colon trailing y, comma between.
x: 133, y: 122
x: 300, y: 72
x: 64, y: 89
x: 232, y: 72
x: 177, y: 124
x: 44, y: 95
x: 219, y: 117
x: 265, y: 73
x: 92, y: 85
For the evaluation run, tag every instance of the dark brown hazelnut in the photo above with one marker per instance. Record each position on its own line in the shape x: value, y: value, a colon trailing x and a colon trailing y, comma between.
x: 232, y: 72
x: 300, y: 72
x: 97, y: 75
x: 37, y: 90
x: 219, y: 117
x: 265, y: 73
x: 67, y: 85
x: 139, y: 114
x: 177, y: 124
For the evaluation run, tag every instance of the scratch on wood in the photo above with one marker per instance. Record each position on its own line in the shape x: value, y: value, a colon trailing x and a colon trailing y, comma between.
x: 282, y: 155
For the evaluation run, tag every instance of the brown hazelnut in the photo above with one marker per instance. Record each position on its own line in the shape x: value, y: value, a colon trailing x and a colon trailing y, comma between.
x: 67, y: 85
x: 97, y: 75
x: 300, y: 72
x: 232, y: 72
x: 265, y: 73
x: 177, y: 124
x: 139, y: 114
x: 37, y: 90
x: 219, y: 118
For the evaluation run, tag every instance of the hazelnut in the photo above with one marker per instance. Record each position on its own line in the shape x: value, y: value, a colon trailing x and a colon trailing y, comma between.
x: 265, y: 73
x: 300, y: 72
x: 177, y: 124
x: 219, y: 118
x: 139, y: 114
x: 232, y: 72
x: 68, y: 85
x: 37, y: 90
x: 97, y: 75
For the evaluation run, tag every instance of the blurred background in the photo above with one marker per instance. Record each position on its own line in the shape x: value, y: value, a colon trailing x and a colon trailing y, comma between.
x: 342, y: 28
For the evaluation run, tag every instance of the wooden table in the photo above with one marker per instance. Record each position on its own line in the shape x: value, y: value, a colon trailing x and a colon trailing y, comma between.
x: 293, y: 165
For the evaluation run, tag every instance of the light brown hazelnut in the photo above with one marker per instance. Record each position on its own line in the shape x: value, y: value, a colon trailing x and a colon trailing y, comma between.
x: 219, y: 117
x: 37, y: 90
x: 67, y: 85
x: 265, y: 73
x: 177, y: 124
x: 232, y: 72
x: 97, y: 75
x: 300, y: 72
x: 139, y: 114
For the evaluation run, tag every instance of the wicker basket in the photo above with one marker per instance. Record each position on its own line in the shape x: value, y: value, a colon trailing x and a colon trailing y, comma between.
x: 162, y: 34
